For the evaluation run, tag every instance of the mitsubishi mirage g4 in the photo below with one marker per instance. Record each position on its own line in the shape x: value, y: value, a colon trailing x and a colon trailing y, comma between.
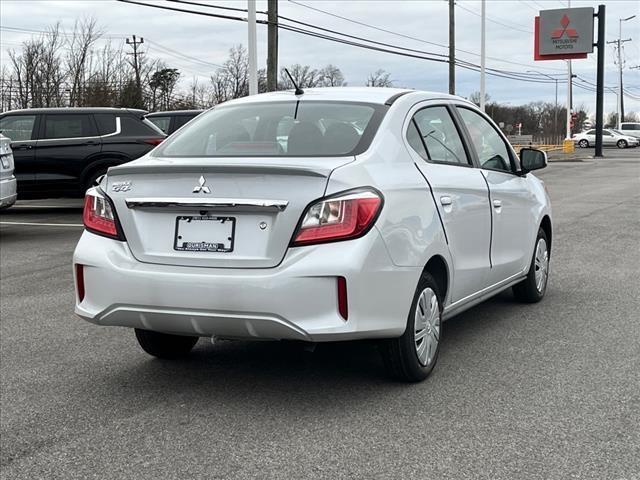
x: 335, y: 214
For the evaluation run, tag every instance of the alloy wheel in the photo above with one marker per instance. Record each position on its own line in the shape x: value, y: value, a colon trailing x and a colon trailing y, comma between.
x: 541, y: 265
x: 427, y: 326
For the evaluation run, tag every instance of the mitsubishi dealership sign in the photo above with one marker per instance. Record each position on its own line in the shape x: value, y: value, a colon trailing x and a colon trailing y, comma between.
x: 564, y: 33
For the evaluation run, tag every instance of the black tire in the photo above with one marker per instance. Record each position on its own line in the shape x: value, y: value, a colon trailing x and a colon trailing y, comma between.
x: 93, y: 177
x: 622, y: 144
x: 583, y: 143
x: 527, y: 291
x: 400, y: 354
x: 164, y: 345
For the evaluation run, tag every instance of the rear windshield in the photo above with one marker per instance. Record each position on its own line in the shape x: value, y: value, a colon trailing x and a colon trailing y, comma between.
x: 278, y: 129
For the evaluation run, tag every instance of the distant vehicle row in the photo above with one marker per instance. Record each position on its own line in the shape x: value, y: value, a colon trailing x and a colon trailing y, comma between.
x: 60, y: 152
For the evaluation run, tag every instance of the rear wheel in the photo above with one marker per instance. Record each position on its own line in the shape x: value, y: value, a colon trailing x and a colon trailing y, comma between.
x: 583, y: 143
x: 164, y: 345
x: 412, y: 356
x: 534, y: 286
x: 622, y: 144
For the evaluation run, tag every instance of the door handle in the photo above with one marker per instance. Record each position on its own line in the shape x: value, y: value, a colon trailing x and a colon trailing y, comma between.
x: 90, y: 142
x: 445, y: 200
x: 497, y: 203
x: 24, y: 146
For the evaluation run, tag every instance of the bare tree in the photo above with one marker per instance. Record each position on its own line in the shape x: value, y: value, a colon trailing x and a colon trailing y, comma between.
x: 84, y: 36
x: 303, y: 75
x: 379, y: 78
x: 331, y: 76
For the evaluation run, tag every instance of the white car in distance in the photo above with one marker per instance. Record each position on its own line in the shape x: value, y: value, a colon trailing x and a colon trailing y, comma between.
x: 275, y: 217
x: 610, y: 138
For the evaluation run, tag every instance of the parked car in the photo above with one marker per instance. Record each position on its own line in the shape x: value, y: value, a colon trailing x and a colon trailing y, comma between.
x: 169, y: 122
x: 8, y: 193
x: 381, y: 233
x: 60, y: 152
x: 610, y: 137
x: 630, y: 128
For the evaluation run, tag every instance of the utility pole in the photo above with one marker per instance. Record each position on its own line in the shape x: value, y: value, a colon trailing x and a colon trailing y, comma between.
x: 452, y: 48
x: 272, y: 46
x: 253, y: 47
x: 600, y: 80
x: 136, y: 64
x: 619, y: 43
x: 482, y: 53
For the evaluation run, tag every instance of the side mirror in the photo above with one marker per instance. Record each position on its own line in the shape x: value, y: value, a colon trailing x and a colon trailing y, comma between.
x: 532, y: 159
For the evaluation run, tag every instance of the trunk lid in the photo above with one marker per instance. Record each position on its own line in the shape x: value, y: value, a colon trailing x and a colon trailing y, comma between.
x: 260, y: 199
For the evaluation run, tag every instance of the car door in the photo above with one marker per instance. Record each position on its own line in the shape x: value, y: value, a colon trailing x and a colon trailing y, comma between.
x: 20, y: 129
x: 512, y: 202
x: 608, y: 138
x: 459, y: 192
x: 67, y: 143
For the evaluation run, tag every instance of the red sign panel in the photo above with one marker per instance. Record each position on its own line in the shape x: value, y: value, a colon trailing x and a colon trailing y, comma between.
x: 557, y: 33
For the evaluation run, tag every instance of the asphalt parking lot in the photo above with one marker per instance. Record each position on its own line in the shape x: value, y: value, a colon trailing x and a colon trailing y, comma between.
x: 545, y: 391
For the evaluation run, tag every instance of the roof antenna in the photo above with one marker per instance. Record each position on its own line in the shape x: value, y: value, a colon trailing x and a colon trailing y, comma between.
x: 299, y: 91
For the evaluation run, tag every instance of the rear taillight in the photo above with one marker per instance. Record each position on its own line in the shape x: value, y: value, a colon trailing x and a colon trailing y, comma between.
x: 344, y: 216
x: 153, y: 141
x: 99, y: 216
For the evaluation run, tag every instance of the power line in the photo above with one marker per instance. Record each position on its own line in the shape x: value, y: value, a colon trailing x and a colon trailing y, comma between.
x: 379, y: 46
x: 497, y: 22
x: 409, y: 37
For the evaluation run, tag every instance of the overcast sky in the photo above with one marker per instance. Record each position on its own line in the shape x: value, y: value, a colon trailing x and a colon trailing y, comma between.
x: 509, y: 40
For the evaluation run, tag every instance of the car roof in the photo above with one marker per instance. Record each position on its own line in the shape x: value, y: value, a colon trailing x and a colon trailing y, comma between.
x: 380, y: 95
x: 174, y: 113
x: 34, y: 111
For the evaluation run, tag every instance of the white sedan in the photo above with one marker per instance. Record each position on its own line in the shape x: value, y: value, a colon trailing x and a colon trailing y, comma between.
x: 610, y: 137
x: 333, y: 214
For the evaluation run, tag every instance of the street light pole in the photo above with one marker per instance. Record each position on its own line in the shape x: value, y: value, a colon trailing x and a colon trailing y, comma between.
x: 620, y: 95
x: 253, y: 47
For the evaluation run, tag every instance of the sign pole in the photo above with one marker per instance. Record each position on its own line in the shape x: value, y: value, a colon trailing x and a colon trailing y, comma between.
x: 600, y: 80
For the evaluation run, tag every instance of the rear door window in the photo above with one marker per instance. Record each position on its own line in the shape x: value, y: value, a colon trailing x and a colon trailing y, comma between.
x: 68, y: 126
x: 18, y: 128
x: 439, y: 136
x: 135, y: 127
x: 290, y: 128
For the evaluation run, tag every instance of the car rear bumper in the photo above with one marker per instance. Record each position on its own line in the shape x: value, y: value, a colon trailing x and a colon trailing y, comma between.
x: 8, y: 192
x: 296, y: 300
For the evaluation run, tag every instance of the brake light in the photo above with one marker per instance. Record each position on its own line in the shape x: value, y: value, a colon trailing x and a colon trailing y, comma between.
x: 153, y: 141
x: 343, y: 306
x: 99, y: 216
x: 341, y: 217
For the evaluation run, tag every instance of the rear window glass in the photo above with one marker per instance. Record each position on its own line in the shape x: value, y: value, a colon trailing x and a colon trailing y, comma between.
x: 181, y: 120
x: 291, y: 129
x: 106, y: 123
x: 161, y: 122
x: 135, y: 127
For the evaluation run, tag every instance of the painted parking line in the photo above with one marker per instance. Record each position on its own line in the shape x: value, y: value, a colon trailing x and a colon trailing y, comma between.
x: 44, y: 224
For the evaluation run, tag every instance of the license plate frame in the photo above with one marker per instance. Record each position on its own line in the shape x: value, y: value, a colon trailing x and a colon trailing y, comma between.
x: 204, y: 245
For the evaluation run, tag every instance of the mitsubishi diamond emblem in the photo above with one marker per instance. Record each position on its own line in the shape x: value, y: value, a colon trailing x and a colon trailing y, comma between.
x: 201, y: 187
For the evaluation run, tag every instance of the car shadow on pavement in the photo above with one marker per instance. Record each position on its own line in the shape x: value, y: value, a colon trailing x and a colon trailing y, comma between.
x: 263, y: 370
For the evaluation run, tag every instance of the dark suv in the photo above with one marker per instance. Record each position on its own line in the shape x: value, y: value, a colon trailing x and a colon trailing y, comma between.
x: 169, y: 122
x: 61, y: 151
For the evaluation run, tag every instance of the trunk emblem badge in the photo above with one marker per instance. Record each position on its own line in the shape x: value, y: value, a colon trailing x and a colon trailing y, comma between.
x: 201, y: 187
x: 121, y: 186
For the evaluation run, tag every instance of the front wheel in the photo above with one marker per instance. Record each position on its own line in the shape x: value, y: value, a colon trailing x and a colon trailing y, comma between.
x: 165, y: 345
x: 583, y: 143
x: 534, y: 286
x: 412, y: 356
x: 622, y: 144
